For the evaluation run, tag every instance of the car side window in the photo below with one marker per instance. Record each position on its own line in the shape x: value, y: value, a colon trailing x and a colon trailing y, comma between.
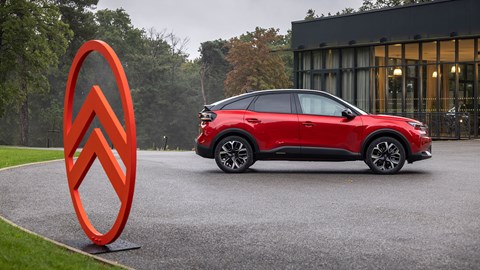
x: 275, y: 103
x: 320, y: 105
x: 241, y: 104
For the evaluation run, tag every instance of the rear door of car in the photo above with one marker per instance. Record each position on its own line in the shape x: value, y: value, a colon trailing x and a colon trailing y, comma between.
x: 323, y: 129
x: 273, y: 121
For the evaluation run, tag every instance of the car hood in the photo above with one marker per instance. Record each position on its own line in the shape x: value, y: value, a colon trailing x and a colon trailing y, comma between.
x: 391, y: 118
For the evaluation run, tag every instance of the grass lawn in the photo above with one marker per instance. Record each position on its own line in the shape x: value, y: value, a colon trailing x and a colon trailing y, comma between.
x: 10, y: 156
x: 21, y: 250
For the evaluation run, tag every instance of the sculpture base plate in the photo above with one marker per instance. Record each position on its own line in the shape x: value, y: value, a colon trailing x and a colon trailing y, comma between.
x: 118, y: 245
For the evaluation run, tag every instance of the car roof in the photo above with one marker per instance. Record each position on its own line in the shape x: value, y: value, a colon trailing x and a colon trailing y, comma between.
x: 222, y: 102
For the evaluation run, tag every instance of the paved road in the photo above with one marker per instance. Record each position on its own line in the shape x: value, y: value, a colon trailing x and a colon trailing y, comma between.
x: 279, y: 215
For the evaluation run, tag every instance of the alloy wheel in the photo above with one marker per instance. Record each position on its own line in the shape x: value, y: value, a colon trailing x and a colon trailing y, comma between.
x: 234, y: 154
x: 386, y: 156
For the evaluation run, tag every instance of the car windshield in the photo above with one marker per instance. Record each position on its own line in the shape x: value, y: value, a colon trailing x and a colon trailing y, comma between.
x: 362, y: 112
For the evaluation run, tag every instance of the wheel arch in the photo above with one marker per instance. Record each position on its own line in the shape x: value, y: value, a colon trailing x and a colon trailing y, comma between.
x: 386, y: 133
x: 235, y: 132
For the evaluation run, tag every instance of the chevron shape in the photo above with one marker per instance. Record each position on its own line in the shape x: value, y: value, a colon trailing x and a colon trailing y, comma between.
x: 96, y: 104
x: 97, y: 146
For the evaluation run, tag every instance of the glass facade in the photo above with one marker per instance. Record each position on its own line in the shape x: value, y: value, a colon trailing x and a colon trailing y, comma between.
x: 433, y: 81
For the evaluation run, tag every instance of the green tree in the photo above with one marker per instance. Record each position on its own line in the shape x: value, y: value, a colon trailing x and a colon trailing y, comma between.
x: 346, y: 11
x: 213, y: 69
x: 311, y: 14
x: 377, y: 4
x: 283, y: 49
x: 79, y: 15
x: 32, y: 39
x: 254, y: 67
x: 165, y: 93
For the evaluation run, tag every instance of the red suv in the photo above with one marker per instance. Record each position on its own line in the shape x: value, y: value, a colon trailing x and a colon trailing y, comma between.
x: 306, y: 125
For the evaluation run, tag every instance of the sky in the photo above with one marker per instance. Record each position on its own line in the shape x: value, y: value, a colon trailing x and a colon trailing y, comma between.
x: 205, y: 20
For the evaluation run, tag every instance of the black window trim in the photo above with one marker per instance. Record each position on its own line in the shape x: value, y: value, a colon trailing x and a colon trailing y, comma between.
x: 237, y: 100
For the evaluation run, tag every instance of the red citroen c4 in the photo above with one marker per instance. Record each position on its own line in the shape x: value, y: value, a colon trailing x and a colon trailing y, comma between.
x: 306, y: 125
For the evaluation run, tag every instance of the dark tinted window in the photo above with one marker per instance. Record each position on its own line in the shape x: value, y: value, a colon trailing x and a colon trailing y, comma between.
x: 277, y: 103
x: 239, y: 104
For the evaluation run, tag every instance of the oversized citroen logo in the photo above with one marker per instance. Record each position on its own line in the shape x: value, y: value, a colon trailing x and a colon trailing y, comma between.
x: 124, y: 141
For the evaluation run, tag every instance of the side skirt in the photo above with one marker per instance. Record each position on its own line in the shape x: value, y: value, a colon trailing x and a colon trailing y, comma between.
x: 308, y: 154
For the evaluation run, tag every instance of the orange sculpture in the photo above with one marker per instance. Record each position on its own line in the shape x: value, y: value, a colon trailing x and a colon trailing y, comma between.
x: 124, y: 141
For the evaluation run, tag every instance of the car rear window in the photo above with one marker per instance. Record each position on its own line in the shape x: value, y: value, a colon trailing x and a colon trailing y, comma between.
x: 241, y: 104
x: 276, y: 103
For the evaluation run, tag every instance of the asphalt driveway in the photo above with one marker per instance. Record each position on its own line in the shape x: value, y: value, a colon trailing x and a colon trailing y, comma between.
x: 278, y: 215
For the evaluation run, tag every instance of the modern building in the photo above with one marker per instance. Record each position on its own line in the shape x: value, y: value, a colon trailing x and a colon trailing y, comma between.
x: 419, y: 60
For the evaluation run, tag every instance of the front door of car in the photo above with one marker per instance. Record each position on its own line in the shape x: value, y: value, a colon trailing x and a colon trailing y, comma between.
x: 323, y: 129
x: 273, y: 123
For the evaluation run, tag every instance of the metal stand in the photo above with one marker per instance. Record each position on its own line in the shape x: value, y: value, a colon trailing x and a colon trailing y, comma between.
x: 118, y: 245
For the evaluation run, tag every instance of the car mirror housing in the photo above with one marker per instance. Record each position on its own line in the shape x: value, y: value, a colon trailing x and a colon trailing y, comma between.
x: 348, y: 114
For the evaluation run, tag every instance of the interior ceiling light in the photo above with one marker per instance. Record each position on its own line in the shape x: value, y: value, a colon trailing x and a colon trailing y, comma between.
x: 434, y: 74
x: 452, y: 70
x: 397, y: 72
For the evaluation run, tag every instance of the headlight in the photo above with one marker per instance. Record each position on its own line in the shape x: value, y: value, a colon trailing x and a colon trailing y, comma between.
x: 419, y: 126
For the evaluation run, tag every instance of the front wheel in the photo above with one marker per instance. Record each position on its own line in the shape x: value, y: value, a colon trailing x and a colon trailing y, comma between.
x: 233, y: 154
x: 385, y: 155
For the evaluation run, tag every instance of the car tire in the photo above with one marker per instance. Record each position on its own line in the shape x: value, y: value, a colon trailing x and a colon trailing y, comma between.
x: 234, y: 154
x: 385, y: 155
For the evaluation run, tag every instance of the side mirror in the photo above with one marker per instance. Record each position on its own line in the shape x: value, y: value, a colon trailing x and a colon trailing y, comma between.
x: 348, y: 114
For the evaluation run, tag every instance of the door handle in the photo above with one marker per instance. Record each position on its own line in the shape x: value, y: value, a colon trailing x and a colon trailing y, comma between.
x: 253, y: 120
x: 308, y: 124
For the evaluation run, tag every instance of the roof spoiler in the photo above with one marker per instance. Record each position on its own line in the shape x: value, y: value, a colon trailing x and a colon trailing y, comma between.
x: 207, y: 108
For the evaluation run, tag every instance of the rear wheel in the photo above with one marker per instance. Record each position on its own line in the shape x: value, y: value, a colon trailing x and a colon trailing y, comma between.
x: 233, y: 154
x: 385, y: 155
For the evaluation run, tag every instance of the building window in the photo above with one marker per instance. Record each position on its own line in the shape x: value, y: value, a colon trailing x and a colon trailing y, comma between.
x: 379, y: 55
x: 332, y: 59
x: 363, y: 89
x: 318, y: 60
x: 406, y: 78
x: 430, y: 76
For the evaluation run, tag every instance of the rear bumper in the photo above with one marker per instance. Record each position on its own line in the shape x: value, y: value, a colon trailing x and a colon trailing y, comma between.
x: 421, y: 155
x: 203, y: 151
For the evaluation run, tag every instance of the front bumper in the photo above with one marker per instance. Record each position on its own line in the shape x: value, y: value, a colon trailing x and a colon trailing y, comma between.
x: 421, y: 155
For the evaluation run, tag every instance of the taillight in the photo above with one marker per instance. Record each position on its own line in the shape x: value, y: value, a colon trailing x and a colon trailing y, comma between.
x: 207, y: 116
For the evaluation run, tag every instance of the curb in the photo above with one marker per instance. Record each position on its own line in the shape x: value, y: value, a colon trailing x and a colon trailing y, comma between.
x: 97, y: 258
x: 28, y: 164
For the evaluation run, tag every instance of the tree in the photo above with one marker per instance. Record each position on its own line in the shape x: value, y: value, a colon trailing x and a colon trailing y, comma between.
x: 346, y: 11
x: 213, y: 69
x: 377, y: 4
x: 254, y: 67
x: 367, y: 5
x: 164, y: 83
x: 311, y: 15
x: 79, y: 16
x: 32, y: 39
x: 284, y: 51
x: 164, y: 106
